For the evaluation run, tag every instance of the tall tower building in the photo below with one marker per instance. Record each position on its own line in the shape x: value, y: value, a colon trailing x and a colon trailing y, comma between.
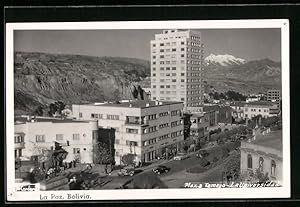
x: 177, y: 67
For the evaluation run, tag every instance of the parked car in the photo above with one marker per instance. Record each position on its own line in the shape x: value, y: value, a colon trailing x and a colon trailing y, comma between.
x: 129, y: 171
x: 161, y: 169
x: 181, y: 156
x: 202, y: 153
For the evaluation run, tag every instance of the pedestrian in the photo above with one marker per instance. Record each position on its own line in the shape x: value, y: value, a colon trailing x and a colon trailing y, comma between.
x: 105, y: 170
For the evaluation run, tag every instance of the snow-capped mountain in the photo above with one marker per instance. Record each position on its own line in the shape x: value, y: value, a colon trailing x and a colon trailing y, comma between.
x: 223, y: 60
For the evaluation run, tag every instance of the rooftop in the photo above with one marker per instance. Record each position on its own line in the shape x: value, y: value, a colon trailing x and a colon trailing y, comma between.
x: 238, y: 103
x: 24, y: 119
x: 260, y: 103
x: 136, y: 103
x: 273, y: 140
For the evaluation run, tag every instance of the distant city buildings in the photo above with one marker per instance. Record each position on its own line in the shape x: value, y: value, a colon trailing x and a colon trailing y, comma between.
x: 252, y: 99
x: 274, y: 95
x: 144, y: 128
x: 263, y: 108
x: 35, y: 135
x: 176, y: 67
x: 199, y: 125
x: 238, y: 110
x: 263, y: 152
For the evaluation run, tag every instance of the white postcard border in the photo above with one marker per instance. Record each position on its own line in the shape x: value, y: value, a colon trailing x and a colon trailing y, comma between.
x: 137, y: 194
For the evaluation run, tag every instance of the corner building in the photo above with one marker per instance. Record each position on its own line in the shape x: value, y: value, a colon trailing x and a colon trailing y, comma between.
x: 144, y: 128
x: 177, y: 67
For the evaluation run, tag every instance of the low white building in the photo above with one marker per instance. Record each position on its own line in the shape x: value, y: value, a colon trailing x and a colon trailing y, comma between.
x: 143, y: 128
x: 265, y: 109
x: 263, y: 152
x: 33, y: 136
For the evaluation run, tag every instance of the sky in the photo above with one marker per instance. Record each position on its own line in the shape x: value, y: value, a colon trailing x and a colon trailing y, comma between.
x: 249, y: 44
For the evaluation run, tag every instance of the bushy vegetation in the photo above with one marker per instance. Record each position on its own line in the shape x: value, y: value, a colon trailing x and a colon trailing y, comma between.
x: 229, y: 95
x: 196, y: 169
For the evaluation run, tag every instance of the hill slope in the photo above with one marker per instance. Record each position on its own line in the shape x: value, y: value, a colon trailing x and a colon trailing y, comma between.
x: 44, y: 78
x: 250, y: 77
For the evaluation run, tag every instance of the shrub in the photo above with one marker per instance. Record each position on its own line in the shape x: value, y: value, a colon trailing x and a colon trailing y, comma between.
x: 215, y: 159
x: 196, y: 169
x: 203, y: 162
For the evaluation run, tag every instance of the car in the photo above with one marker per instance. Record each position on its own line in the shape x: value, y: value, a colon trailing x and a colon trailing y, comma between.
x: 161, y: 169
x: 202, y: 153
x: 128, y: 171
x: 181, y: 156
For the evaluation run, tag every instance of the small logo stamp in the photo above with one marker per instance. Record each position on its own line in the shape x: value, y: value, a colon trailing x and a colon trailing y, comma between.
x: 27, y: 187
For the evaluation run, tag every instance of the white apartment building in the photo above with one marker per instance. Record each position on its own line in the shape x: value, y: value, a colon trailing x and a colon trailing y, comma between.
x: 143, y: 128
x: 265, y: 109
x: 176, y: 67
x: 34, y: 136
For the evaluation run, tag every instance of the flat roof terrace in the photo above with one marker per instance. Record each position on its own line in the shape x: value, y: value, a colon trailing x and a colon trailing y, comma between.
x: 136, y: 104
x: 273, y: 140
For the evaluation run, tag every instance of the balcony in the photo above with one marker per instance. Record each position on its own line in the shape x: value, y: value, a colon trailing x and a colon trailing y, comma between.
x: 20, y: 145
x: 137, y: 121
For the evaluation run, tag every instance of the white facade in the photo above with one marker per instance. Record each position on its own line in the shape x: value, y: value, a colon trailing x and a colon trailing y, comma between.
x: 176, y: 67
x: 265, y: 154
x: 255, y: 109
x: 41, y: 135
x: 142, y: 128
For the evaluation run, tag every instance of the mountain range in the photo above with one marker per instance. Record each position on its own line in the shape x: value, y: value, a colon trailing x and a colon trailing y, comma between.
x: 226, y: 72
x: 42, y: 78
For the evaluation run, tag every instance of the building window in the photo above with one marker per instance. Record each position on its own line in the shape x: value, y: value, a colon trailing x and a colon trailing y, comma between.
x: 113, y: 117
x: 19, y: 139
x: 76, y: 136
x: 261, y: 164
x: 117, y: 141
x: 59, y: 137
x: 40, y: 138
x: 80, y: 115
x: 161, y: 44
x: 173, y: 49
x: 76, y: 150
x: 132, y: 131
x: 273, y: 168
x: 249, y: 161
x: 97, y: 116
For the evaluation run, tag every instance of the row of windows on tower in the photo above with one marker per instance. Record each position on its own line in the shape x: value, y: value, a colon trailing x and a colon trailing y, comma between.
x: 174, y: 68
x: 181, y: 61
x: 174, y: 56
x: 193, y: 43
x: 195, y: 50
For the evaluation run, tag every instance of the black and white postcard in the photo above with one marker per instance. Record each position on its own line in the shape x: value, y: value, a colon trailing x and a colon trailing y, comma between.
x: 147, y: 110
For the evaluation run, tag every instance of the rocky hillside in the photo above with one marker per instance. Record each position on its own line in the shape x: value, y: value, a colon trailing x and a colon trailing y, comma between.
x: 41, y: 79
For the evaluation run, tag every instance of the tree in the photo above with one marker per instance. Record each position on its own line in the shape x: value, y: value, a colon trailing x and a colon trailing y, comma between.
x: 39, y: 111
x: 102, y: 154
x: 141, y: 92
x: 128, y: 159
x: 135, y: 92
x: 56, y: 107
